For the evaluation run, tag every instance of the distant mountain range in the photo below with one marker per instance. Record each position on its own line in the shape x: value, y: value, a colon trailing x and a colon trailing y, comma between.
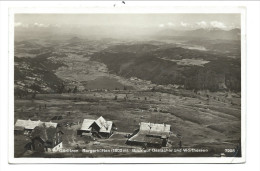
x: 118, y: 33
x: 215, y: 34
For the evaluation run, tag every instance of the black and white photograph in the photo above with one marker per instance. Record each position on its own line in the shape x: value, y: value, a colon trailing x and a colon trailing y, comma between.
x: 127, y: 85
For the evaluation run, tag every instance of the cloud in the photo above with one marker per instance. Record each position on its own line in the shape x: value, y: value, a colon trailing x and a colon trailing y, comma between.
x: 183, y: 24
x: 202, y: 24
x: 56, y: 25
x: 170, y: 24
x: 217, y: 24
x: 18, y: 24
x: 36, y: 25
x: 198, y: 25
x: 40, y: 25
x: 161, y: 25
x: 213, y: 24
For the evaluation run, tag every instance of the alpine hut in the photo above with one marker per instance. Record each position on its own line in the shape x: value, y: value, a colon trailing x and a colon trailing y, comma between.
x: 99, y: 128
x: 150, y: 135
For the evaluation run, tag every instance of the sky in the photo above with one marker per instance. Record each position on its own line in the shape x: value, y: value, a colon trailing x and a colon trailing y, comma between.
x: 130, y: 21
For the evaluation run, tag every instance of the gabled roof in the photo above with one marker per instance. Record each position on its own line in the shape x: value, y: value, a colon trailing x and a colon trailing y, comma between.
x: 51, y: 124
x: 105, y: 126
x: 18, y: 128
x: 101, y: 122
x: 86, y: 124
x: 155, y: 129
x: 151, y: 133
x: 29, y: 124
x: 145, y: 139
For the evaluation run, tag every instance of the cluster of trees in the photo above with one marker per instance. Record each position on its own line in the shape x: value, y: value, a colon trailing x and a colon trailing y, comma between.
x: 20, y: 93
x: 124, y: 88
x: 62, y: 89
x: 24, y: 93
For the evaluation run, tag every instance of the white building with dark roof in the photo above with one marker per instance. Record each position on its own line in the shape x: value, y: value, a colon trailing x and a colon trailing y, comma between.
x: 151, y: 135
x: 99, y: 127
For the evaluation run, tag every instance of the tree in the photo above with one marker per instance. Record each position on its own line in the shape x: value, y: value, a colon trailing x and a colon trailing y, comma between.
x: 33, y: 95
x: 61, y: 88
x: 35, y: 87
x: 75, y: 90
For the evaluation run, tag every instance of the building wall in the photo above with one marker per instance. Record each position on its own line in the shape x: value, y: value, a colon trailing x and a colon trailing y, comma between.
x: 143, y: 144
x: 148, y: 144
x: 56, y: 148
x: 38, y: 145
x: 27, y: 131
x: 134, y: 143
x: 95, y: 127
x: 58, y: 138
x: 164, y: 143
x: 105, y: 135
x: 79, y: 132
